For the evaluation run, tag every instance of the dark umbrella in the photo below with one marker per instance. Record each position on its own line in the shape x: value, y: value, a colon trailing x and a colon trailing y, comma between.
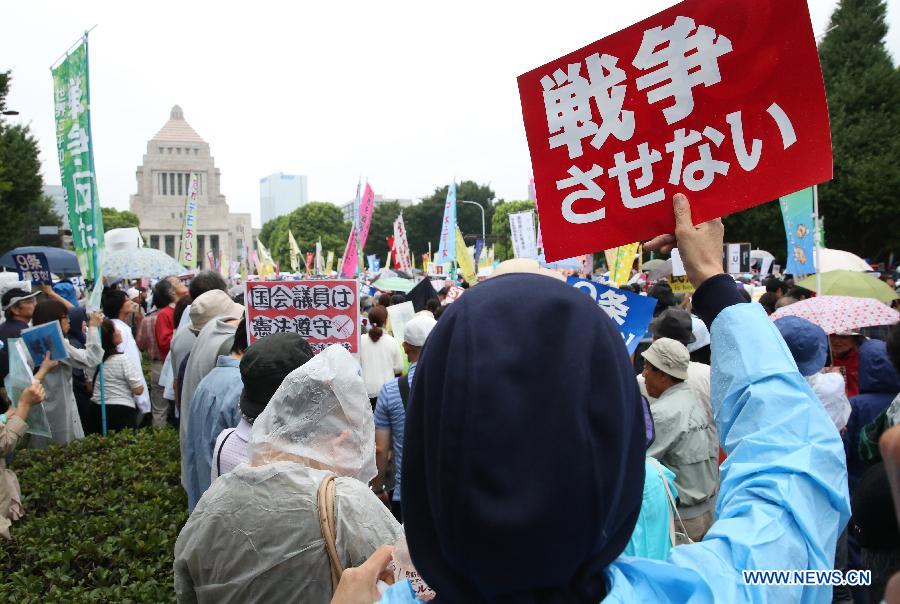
x: 61, y: 261
x: 421, y: 294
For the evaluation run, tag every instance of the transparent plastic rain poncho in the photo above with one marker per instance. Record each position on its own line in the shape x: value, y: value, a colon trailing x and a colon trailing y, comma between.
x: 254, y: 535
x: 320, y: 413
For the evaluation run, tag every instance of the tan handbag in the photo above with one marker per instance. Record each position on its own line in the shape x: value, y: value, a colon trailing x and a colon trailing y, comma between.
x: 327, y: 524
x: 675, y: 537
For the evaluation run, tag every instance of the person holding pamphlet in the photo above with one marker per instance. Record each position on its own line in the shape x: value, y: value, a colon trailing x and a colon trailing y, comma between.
x: 59, y: 401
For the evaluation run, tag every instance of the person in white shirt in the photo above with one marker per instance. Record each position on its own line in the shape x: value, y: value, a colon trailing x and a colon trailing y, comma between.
x: 122, y: 380
x: 263, y: 367
x: 379, y: 355
x: 120, y: 310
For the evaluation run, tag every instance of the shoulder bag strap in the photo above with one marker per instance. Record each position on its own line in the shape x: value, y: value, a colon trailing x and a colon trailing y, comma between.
x: 327, y: 524
x: 403, y: 385
x: 219, y: 453
x: 672, y: 504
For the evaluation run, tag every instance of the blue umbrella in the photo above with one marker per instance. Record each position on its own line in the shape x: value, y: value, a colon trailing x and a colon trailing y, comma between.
x: 61, y: 261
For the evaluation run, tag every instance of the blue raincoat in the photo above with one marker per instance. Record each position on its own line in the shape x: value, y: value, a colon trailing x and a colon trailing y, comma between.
x: 783, y: 499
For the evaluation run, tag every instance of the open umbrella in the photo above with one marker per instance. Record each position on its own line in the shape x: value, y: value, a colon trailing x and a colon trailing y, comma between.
x: 836, y: 314
x: 393, y: 284
x: 658, y: 268
x: 851, y: 283
x: 140, y: 262
x: 835, y: 260
x: 61, y: 261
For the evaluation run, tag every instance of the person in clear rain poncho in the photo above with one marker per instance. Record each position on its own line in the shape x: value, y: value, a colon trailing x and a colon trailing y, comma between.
x: 255, y: 535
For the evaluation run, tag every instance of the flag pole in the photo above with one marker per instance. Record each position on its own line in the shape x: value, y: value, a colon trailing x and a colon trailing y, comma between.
x: 816, y: 241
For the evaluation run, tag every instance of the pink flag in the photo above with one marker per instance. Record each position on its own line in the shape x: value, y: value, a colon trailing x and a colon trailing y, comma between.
x: 351, y: 255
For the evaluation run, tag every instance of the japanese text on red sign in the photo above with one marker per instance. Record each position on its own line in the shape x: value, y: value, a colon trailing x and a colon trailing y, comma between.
x: 323, y: 312
x: 657, y: 113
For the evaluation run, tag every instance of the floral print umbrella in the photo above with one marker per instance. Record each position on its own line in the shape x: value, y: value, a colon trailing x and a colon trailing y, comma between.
x: 837, y: 314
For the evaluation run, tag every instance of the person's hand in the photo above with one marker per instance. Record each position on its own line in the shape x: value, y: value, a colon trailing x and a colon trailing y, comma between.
x: 47, y: 365
x: 95, y: 319
x: 46, y: 288
x: 700, y: 246
x: 33, y: 395
x: 357, y: 585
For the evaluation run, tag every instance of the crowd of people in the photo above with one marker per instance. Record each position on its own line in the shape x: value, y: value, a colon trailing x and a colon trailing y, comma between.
x: 502, y: 447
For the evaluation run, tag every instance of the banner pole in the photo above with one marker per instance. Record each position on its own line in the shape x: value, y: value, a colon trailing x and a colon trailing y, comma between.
x: 96, y: 269
x: 816, y: 240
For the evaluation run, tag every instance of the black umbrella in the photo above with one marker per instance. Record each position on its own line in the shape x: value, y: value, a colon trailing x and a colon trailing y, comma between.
x: 421, y: 294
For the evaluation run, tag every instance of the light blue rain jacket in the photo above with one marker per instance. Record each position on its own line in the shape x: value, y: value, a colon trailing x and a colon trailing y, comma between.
x: 783, y: 499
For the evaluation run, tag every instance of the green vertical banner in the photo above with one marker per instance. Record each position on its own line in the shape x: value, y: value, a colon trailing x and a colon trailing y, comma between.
x: 72, y: 107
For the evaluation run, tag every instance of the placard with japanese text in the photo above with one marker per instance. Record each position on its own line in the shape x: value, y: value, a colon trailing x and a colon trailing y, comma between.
x: 322, y: 311
x: 722, y: 100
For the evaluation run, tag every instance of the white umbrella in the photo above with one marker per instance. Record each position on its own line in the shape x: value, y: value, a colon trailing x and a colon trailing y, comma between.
x: 139, y: 262
x: 836, y: 260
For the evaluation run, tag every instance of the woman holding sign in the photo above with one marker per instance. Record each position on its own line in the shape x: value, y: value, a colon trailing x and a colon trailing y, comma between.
x: 490, y: 515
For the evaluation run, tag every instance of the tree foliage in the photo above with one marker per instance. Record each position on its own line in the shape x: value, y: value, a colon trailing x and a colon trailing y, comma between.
x: 23, y: 205
x: 119, y: 219
x: 863, y: 86
x: 308, y: 223
x: 761, y: 226
x: 382, y: 227
x: 424, y: 222
x: 500, y: 226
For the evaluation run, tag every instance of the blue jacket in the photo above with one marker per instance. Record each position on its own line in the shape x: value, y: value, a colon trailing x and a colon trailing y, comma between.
x: 783, y: 498
x: 878, y: 385
x: 214, y: 408
x: 651, y: 537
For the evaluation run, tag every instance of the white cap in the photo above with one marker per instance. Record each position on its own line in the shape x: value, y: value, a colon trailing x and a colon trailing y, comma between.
x: 669, y: 356
x: 214, y: 303
x: 132, y: 293
x: 417, y: 330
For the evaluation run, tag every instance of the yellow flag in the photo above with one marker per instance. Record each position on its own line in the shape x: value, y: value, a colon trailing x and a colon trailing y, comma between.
x: 464, y: 260
x: 329, y: 262
x: 623, y: 260
x: 295, y: 252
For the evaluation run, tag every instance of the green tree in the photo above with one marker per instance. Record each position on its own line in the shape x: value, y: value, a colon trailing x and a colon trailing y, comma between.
x: 423, y: 221
x: 23, y: 205
x: 500, y: 226
x: 309, y: 223
x: 864, y: 106
x: 116, y: 219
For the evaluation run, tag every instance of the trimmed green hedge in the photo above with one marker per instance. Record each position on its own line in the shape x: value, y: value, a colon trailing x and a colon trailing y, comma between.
x: 101, y: 519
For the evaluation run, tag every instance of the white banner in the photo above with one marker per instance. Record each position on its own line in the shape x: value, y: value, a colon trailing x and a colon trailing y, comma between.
x: 521, y: 229
x: 401, y: 245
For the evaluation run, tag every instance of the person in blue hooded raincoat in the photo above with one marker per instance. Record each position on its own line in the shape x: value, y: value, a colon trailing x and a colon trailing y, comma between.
x: 879, y: 383
x: 531, y: 498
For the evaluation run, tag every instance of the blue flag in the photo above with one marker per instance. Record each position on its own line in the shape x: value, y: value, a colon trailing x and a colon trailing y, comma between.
x: 374, y: 263
x: 447, y: 244
x: 630, y: 312
x: 797, y: 211
x: 479, y: 247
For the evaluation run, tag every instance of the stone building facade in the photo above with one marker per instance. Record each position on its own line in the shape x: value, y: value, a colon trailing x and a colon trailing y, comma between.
x: 172, y: 156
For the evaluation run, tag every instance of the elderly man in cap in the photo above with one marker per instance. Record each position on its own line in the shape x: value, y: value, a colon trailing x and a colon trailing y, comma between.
x: 390, y: 414
x: 263, y: 367
x: 678, y: 325
x: 684, y: 440
x: 214, y: 318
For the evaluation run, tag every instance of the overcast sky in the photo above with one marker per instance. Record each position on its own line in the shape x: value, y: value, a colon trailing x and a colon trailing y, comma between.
x: 409, y: 94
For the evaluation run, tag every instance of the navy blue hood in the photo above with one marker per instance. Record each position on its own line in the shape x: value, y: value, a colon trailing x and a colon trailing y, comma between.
x: 523, y: 464
x: 876, y: 372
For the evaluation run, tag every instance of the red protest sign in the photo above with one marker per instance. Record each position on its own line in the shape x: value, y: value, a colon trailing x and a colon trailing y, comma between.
x: 454, y: 293
x: 722, y: 100
x: 322, y: 311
